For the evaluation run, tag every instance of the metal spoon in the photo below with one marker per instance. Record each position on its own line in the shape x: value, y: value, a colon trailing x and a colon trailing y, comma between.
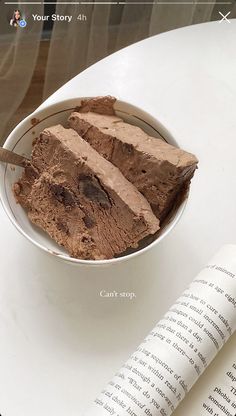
x: 8, y: 156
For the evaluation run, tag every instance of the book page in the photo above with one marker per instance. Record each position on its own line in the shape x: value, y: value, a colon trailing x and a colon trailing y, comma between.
x: 215, y: 393
x: 176, y: 352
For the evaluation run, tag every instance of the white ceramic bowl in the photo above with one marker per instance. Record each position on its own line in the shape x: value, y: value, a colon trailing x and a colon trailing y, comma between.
x: 20, y: 141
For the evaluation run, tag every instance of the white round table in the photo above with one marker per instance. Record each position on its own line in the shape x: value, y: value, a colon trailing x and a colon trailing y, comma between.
x: 61, y: 341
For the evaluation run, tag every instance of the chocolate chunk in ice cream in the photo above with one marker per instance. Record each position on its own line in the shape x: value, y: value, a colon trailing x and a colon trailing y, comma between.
x: 160, y: 171
x: 81, y: 200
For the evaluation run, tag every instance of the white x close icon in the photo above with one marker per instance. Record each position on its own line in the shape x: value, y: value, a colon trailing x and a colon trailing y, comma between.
x: 224, y: 17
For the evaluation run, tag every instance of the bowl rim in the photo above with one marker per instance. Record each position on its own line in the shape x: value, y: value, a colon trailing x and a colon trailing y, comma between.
x: 72, y: 103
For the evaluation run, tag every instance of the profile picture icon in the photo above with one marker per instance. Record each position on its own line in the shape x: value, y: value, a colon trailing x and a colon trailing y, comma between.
x: 17, y: 20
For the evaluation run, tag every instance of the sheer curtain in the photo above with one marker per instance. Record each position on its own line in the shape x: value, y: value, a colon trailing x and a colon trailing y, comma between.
x: 76, y: 45
x: 18, y: 51
x: 108, y: 28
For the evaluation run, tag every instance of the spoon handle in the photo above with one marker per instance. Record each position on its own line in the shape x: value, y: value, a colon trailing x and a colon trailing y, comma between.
x: 8, y: 156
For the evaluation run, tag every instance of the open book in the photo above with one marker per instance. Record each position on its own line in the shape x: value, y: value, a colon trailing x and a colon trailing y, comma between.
x: 185, y: 344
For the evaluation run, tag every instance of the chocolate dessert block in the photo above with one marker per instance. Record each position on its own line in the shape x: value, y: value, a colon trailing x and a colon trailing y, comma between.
x: 80, y: 199
x: 160, y: 171
x: 101, y: 105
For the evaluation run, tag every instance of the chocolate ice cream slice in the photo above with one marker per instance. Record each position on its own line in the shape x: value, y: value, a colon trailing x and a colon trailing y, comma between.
x: 80, y: 199
x: 160, y: 171
x: 100, y: 105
